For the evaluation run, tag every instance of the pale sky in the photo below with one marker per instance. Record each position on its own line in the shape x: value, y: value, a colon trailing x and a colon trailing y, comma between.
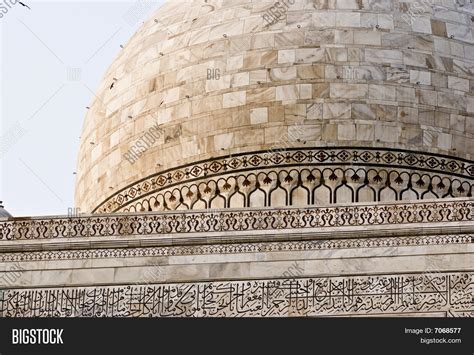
x: 52, y: 59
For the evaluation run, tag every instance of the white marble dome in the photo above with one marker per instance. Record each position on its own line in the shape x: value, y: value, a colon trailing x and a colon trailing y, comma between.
x: 3, y: 212
x: 334, y: 101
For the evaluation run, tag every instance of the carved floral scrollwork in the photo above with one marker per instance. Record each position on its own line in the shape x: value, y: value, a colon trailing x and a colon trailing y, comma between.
x: 238, y: 220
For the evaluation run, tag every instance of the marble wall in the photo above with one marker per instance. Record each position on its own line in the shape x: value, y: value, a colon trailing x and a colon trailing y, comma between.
x: 403, y: 259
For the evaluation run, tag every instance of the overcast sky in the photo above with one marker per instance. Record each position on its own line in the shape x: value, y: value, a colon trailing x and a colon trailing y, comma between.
x: 52, y: 59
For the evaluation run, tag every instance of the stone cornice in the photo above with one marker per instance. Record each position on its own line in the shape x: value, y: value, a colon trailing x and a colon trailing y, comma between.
x: 78, y: 251
x: 226, y: 223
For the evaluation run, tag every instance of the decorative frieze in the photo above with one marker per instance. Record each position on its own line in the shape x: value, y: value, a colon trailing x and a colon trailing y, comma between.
x: 319, y: 176
x: 427, y: 293
x: 159, y: 223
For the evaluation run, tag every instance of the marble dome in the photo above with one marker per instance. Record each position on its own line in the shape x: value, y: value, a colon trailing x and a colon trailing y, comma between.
x: 3, y: 212
x: 236, y: 103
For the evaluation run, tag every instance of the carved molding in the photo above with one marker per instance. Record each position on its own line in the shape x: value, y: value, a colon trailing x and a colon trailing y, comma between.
x: 447, y: 176
x: 229, y: 220
x: 302, y: 186
x: 430, y: 292
x: 238, y: 248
